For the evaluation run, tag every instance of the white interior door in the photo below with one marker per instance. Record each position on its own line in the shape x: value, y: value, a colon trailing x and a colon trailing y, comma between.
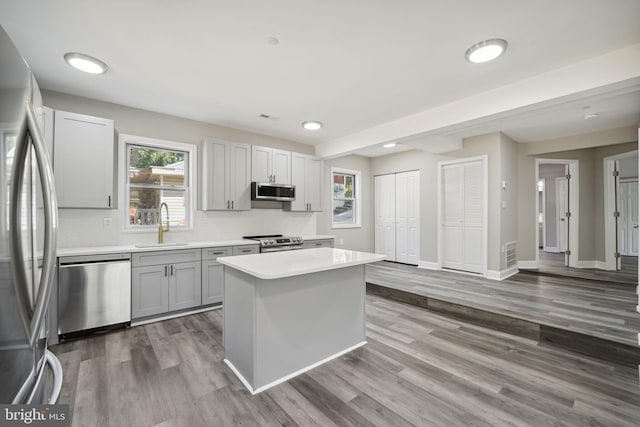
x: 628, y: 220
x: 473, y: 218
x: 561, y: 210
x: 463, y: 216
x: 408, y: 217
x: 452, y: 216
x: 385, y: 215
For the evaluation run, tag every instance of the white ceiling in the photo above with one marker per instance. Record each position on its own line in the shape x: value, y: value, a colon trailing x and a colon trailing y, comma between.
x: 353, y: 65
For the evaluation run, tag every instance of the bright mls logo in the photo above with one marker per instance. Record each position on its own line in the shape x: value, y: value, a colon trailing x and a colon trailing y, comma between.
x: 35, y: 415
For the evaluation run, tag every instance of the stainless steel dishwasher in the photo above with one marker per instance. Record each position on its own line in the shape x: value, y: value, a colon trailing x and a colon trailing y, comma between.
x: 93, y: 292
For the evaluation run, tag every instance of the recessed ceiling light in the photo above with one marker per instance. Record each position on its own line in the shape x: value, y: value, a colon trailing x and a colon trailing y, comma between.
x: 389, y: 145
x: 312, y: 125
x: 590, y: 116
x: 85, y: 63
x: 486, y: 50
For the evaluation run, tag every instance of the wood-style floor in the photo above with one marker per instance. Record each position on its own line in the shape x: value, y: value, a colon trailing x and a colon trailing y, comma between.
x: 553, y: 263
x: 418, y: 368
x: 596, y: 308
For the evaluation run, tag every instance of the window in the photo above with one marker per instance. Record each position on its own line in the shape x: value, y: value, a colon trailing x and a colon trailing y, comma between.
x: 345, y: 198
x: 157, y: 172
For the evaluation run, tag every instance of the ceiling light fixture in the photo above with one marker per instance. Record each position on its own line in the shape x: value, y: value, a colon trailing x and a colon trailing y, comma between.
x: 590, y: 116
x: 85, y: 63
x: 312, y: 125
x: 389, y: 145
x: 486, y: 50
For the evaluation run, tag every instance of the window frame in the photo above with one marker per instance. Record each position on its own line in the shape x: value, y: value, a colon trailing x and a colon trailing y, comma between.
x: 357, y: 199
x: 124, y: 141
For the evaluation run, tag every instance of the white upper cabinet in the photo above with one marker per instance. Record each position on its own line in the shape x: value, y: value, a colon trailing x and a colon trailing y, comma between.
x: 270, y: 165
x: 83, y: 161
x: 306, y: 175
x: 226, y: 175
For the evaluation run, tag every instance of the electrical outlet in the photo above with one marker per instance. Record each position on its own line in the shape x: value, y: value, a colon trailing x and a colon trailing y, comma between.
x: 106, y: 222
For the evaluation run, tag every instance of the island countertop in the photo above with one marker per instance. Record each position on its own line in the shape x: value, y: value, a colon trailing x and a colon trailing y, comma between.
x: 276, y: 265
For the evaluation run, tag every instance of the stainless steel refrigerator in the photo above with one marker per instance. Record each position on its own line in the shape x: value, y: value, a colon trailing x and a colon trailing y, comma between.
x: 29, y: 372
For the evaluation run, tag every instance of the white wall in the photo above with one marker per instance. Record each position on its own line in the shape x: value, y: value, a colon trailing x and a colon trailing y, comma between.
x: 84, y: 227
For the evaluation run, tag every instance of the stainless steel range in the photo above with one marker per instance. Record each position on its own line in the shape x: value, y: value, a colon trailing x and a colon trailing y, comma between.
x: 277, y: 242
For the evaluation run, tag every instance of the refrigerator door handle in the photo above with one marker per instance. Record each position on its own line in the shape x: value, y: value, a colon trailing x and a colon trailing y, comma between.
x: 33, y: 319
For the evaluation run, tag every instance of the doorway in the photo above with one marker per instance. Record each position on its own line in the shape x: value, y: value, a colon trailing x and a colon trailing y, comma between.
x: 397, y: 216
x: 462, y: 215
x: 621, y: 213
x: 557, y: 213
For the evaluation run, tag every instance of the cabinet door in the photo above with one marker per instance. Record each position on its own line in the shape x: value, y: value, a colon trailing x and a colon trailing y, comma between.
x: 240, y: 177
x: 149, y: 291
x: 299, y: 179
x: 83, y: 158
x: 185, y: 285
x: 212, y: 282
x: 314, y: 184
x: 261, y: 163
x: 281, y: 166
x: 215, y: 175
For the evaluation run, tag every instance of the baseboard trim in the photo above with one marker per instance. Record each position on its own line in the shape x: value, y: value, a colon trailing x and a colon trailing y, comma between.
x: 428, y: 265
x: 145, y: 321
x: 502, y: 274
x: 528, y: 264
x: 600, y: 265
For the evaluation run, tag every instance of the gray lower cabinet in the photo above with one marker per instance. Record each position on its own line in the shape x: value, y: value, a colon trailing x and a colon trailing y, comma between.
x: 165, y: 281
x: 185, y: 289
x: 149, y: 290
x: 326, y: 243
x: 213, y: 274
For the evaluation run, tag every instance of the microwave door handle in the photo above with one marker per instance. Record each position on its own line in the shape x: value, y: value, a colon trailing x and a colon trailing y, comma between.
x: 50, y: 203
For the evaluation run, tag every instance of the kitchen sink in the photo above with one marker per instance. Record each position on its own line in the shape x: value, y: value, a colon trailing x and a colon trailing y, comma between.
x: 160, y: 245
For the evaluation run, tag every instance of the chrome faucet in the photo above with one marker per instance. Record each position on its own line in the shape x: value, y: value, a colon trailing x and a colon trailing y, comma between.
x: 162, y: 230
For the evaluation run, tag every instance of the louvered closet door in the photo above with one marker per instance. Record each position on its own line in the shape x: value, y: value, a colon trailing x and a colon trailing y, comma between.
x: 385, y: 207
x: 452, y: 216
x: 408, y: 217
x: 462, y: 216
x: 473, y: 218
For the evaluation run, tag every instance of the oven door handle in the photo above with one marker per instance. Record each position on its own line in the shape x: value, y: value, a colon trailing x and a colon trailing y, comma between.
x: 281, y: 248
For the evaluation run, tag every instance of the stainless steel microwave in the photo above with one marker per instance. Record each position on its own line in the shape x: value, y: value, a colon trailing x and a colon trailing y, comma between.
x: 271, y: 191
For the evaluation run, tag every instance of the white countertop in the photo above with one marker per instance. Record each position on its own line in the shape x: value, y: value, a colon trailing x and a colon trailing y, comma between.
x: 101, y: 250
x: 276, y: 265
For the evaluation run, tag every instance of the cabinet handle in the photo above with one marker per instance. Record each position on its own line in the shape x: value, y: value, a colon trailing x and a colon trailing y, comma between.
x: 232, y: 204
x: 217, y: 253
x: 172, y: 270
x: 246, y: 250
x: 109, y: 201
x: 227, y: 204
x: 165, y: 271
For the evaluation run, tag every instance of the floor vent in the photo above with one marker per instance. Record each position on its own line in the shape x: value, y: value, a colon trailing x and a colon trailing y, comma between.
x: 510, y: 254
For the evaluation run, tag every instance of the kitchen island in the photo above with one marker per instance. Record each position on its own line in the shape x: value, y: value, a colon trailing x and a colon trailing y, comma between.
x: 288, y: 312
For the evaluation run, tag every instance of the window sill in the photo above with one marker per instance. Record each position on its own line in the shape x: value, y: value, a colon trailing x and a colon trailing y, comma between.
x: 337, y: 226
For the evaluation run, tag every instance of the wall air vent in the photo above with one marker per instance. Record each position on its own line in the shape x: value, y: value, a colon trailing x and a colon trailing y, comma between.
x: 510, y: 254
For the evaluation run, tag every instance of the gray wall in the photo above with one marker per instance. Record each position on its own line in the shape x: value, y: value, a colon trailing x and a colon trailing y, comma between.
x: 490, y: 145
x: 590, y: 192
x: 360, y: 239
x: 84, y: 227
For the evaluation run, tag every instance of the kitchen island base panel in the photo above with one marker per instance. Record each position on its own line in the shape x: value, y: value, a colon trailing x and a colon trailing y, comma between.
x: 276, y: 329
x: 293, y: 375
